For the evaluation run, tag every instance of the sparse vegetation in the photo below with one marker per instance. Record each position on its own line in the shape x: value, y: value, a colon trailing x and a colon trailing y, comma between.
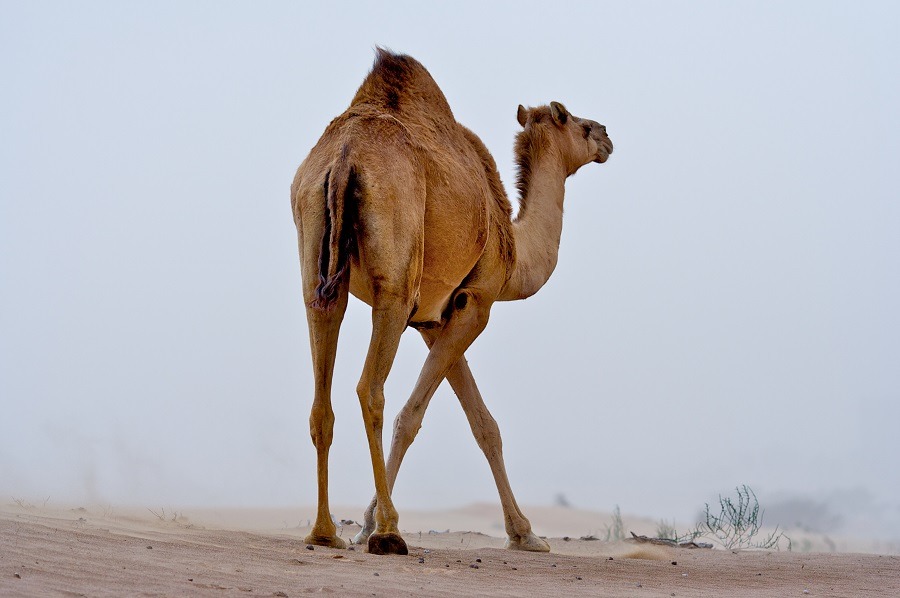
x: 738, y: 522
x: 615, y: 530
x: 22, y: 503
x: 667, y: 531
x: 163, y: 517
x: 736, y: 525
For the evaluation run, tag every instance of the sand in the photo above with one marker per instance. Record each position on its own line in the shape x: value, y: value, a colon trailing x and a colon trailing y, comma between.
x: 219, y: 552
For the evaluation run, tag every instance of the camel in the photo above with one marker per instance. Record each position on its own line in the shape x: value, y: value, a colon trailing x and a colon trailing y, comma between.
x: 403, y: 207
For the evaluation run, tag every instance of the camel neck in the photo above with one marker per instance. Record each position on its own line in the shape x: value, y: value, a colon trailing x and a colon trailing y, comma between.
x: 538, y: 228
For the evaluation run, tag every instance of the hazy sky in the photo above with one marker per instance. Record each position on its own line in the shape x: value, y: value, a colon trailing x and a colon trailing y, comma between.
x: 725, y: 309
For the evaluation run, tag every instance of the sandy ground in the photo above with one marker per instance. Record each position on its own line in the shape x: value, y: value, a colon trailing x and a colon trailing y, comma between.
x: 115, y: 552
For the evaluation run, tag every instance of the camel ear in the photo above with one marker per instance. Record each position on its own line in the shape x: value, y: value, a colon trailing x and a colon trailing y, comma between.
x: 522, y: 115
x: 559, y: 112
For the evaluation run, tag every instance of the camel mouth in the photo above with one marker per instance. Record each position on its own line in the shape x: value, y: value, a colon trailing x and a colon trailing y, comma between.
x: 603, y: 152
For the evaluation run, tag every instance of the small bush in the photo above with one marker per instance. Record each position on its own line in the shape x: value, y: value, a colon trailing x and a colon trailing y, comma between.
x: 738, y: 522
x: 615, y: 530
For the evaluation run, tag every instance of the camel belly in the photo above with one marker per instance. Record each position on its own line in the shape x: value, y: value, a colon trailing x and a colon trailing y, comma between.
x: 445, y: 266
x: 433, y: 294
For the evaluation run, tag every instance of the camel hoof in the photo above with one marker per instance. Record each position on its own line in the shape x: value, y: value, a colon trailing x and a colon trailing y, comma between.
x: 330, y: 541
x: 389, y: 543
x: 530, y: 543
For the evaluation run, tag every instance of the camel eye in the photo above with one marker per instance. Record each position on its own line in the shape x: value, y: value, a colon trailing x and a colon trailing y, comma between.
x: 587, y: 130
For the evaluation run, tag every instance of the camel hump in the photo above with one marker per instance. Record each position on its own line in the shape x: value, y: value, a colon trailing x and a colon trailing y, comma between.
x: 399, y: 83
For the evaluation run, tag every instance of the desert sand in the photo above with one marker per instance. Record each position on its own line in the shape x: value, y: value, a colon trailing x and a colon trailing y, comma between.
x: 106, y: 551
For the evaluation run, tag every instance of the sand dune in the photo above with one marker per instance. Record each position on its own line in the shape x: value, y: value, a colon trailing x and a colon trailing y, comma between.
x: 241, y: 552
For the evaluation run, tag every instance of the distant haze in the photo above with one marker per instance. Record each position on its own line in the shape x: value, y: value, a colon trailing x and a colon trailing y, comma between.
x: 725, y: 309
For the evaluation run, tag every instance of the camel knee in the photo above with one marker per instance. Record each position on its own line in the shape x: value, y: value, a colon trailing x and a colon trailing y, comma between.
x: 487, y: 435
x: 407, y: 424
x: 371, y: 400
x: 321, y: 425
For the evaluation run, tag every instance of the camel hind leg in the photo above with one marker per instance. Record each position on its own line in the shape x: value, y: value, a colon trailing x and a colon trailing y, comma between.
x: 324, y: 327
x: 388, y: 323
x: 390, y: 243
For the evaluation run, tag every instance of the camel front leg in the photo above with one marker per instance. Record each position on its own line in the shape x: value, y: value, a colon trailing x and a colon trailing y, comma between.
x: 466, y: 322
x: 487, y: 435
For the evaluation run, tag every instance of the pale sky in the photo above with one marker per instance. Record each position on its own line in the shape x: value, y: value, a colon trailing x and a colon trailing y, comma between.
x: 724, y: 310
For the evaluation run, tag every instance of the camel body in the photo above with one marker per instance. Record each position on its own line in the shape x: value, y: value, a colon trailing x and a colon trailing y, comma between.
x: 401, y: 206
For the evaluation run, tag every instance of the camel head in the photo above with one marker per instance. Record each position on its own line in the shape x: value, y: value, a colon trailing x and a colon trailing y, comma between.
x: 578, y: 140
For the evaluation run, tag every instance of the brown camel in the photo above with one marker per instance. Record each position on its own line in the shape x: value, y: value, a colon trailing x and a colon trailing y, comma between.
x: 403, y: 207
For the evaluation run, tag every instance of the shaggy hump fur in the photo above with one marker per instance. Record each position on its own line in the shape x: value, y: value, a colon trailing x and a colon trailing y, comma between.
x: 399, y: 83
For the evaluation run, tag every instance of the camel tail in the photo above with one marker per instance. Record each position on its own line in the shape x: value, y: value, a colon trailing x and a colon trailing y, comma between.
x: 338, y: 236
